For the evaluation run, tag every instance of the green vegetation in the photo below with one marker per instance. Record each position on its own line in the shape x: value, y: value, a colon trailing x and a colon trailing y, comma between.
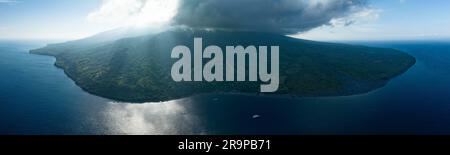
x: 137, y: 69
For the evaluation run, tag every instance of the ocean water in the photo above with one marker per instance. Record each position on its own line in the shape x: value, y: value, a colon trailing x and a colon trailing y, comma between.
x: 38, y: 98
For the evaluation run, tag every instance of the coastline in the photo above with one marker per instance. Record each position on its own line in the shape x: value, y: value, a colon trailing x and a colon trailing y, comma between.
x: 380, y: 85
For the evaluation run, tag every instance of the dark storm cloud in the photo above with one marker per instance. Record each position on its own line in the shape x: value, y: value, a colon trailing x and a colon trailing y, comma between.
x: 277, y: 16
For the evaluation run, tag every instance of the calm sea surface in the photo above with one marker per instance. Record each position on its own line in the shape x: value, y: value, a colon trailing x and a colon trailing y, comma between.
x: 38, y: 98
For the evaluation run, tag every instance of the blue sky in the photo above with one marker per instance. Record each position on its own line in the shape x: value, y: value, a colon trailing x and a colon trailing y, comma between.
x: 387, y: 20
x: 396, y: 20
x: 47, y: 19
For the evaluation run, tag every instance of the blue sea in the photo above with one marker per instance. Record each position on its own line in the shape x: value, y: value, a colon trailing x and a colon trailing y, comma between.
x: 38, y: 98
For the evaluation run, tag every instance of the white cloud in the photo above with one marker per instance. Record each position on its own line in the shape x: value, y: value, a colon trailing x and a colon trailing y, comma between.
x: 358, y: 25
x: 363, y: 16
x: 134, y: 12
x: 342, y: 13
x: 286, y: 16
x: 10, y: 2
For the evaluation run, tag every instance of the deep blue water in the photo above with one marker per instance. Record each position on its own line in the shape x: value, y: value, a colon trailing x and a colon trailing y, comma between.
x: 38, y: 98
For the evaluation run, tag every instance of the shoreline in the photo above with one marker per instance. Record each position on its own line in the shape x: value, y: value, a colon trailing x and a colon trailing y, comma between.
x: 286, y: 96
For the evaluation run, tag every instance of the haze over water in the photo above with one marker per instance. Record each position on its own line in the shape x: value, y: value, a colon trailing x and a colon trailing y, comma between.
x: 38, y: 98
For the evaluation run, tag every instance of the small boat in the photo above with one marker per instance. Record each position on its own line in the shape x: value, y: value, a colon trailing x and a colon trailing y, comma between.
x: 256, y: 116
